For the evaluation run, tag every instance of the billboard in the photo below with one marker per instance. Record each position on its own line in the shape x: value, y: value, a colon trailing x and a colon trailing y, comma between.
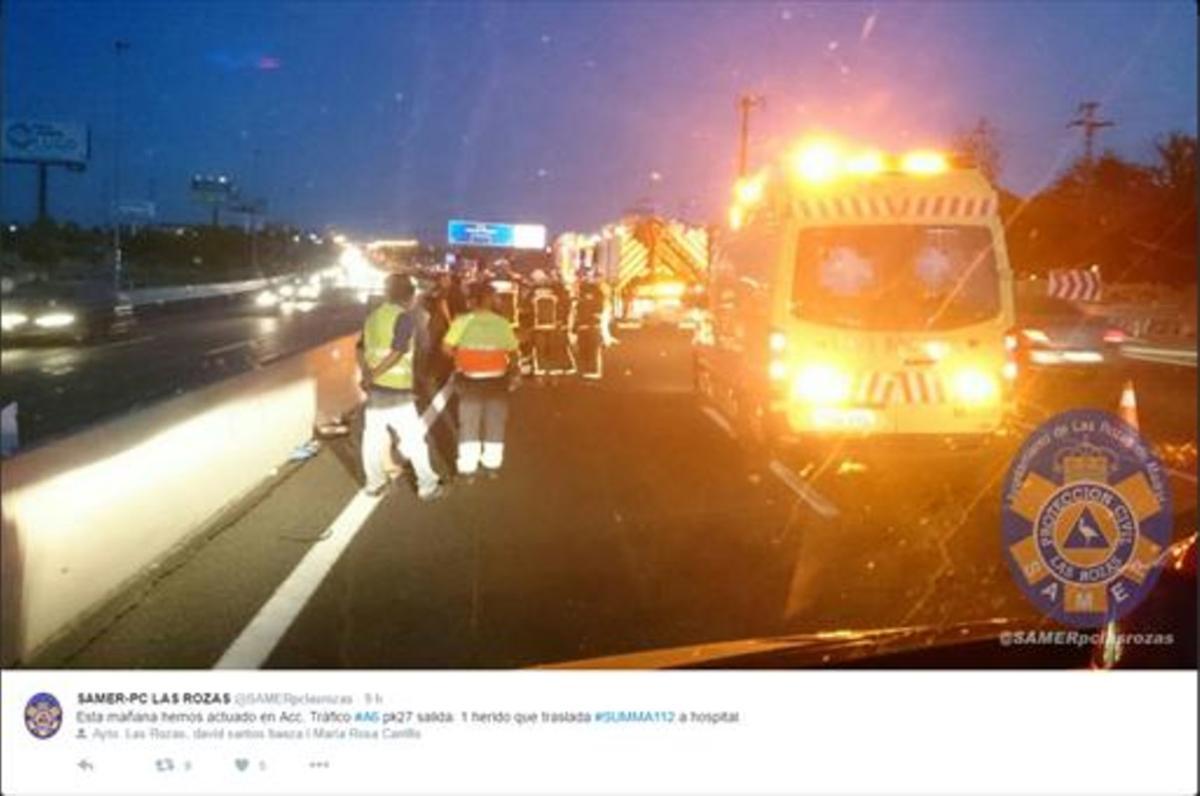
x: 30, y: 141
x: 488, y: 233
x: 213, y: 189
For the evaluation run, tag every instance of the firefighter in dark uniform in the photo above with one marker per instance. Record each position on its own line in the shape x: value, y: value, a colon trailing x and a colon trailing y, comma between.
x: 589, y: 317
x: 525, y: 324
x: 564, y: 322
x: 544, y: 311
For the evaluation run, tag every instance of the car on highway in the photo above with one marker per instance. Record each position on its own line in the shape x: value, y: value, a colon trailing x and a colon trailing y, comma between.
x: 1056, y: 333
x: 79, y: 311
x: 294, y: 294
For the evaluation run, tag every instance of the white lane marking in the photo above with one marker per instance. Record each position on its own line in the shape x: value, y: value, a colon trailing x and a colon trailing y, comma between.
x: 132, y: 341
x: 721, y: 422
x: 1182, y: 475
x: 258, y: 640
x: 818, y: 502
x: 227, y: 348
x: 437, y: 404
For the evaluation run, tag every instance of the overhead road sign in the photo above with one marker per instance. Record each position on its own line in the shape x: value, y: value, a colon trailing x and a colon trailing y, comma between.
x: 498, y: 235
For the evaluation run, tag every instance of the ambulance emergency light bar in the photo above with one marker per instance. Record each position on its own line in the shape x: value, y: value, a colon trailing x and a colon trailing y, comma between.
x: 822, y: 161
x: 497, y: 235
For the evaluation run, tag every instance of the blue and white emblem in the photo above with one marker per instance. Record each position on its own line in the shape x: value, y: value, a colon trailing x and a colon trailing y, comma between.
x: 1086, y: 517
x: 43, y: 715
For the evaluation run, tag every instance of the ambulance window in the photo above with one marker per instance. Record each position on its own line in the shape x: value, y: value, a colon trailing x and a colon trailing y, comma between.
x: 845, y: 272
x: 898, y: 278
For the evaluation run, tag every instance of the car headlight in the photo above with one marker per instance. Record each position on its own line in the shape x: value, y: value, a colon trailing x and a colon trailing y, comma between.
x: 266, y: 299
x: 11, y: 320
x: 974, y: 386
x: 821, y: 384
x: 55, y: 320
x: 287, y: 291
x: 309, y: 292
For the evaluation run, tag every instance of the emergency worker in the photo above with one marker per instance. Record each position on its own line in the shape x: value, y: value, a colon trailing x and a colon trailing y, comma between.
x: 387, y: 350
x: 589, y: 334
x: 544, y: 304
x: 483, y: 346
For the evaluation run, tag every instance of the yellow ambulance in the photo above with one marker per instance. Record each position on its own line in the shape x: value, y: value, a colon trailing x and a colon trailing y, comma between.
x: 860, y: 294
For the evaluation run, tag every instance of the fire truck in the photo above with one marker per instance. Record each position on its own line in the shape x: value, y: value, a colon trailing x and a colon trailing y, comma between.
x: 857, y: 295
x: 653, y: 266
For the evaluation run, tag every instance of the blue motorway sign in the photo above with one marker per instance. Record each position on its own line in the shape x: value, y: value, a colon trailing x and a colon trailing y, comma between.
x: 486, y: 233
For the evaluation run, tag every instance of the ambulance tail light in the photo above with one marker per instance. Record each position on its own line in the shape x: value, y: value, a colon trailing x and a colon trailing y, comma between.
x: 1036, y: 336
x: 777, y: 368
x: 976, y: 386
x: 821, y: 385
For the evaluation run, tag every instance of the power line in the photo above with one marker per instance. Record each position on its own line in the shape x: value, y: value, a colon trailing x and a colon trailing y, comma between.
x: 1090, y: 124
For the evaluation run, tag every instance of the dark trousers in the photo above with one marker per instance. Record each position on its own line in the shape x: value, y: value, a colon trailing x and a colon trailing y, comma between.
x: 482, y: 416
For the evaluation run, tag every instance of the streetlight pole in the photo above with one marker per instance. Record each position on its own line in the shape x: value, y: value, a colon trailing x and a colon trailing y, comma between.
x: 119, y: 47
x: 254, y: 212
x: 746, y: 103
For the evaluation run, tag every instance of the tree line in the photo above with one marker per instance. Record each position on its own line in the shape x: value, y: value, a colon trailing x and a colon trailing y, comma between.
x: 1135, y: 220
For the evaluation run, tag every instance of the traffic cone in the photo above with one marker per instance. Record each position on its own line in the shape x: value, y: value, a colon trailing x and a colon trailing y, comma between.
x: 1127, y: 409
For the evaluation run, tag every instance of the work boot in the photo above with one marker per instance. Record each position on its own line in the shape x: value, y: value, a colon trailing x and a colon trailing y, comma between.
x: 436, y: 493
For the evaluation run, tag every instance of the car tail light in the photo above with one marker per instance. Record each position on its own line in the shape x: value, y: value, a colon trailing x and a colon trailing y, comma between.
x: 1114, y: 336
x: 1010, y: 369
x: 1036, y: 336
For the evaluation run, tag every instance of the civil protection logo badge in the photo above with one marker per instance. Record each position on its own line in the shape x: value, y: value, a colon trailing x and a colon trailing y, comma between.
x: 43, y: 716
x: 1086, y: 516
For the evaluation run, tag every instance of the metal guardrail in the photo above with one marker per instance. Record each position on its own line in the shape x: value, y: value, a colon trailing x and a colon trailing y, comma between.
x: 166, y: 295
x: 1160, y: 354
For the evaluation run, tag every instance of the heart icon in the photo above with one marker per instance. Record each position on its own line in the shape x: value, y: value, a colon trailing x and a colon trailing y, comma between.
x: 241, y: 763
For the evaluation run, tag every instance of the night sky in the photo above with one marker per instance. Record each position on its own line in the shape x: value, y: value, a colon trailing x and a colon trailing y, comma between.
x: 389, y: 118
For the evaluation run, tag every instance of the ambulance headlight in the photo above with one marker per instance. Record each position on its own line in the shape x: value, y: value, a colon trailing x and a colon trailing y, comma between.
x: 974, y: 386
x: 821, y: 384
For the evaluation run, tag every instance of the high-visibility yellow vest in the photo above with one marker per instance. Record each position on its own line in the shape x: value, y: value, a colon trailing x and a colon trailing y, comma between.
x: 378, y: 333
x: 482, y: 341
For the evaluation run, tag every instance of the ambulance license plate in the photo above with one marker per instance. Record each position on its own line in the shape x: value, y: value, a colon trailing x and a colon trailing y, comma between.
x: 856, y: 419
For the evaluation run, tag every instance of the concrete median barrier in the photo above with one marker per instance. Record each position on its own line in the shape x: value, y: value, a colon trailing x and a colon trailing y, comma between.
x: 85, y: 516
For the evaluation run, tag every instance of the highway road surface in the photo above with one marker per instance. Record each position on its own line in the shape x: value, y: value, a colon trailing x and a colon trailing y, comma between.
x: 60, y: 388
x: 626, y: 519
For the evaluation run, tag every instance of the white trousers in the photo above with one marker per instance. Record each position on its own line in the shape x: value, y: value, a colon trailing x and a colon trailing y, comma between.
x: 402, y: 418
